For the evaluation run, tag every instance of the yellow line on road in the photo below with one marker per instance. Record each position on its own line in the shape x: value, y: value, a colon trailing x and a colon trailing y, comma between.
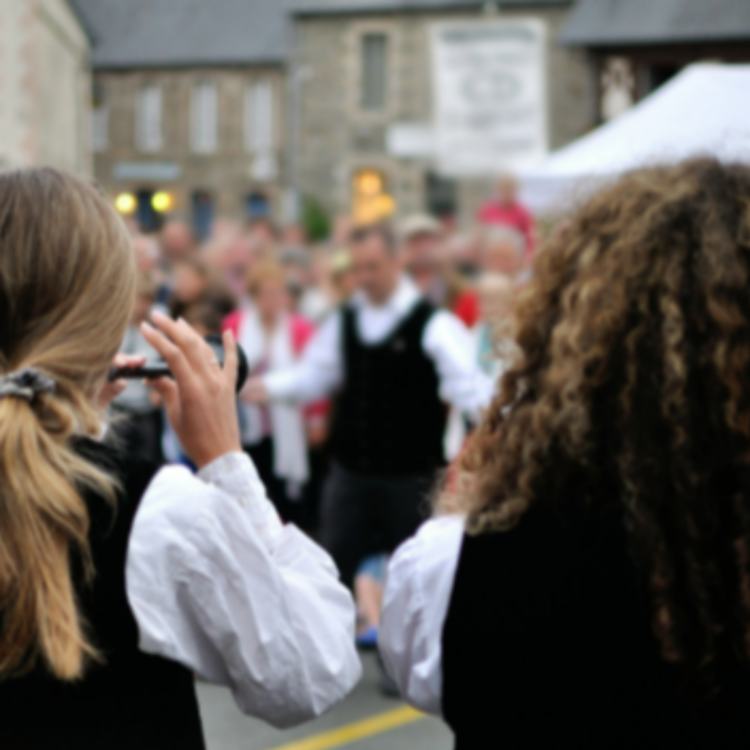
x: 357, y: 731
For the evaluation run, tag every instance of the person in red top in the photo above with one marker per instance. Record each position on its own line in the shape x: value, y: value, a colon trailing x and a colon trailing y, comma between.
x: 505, y: 210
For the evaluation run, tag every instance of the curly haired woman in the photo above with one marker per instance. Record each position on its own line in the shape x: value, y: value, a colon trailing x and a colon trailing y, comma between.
x: 595, y: 588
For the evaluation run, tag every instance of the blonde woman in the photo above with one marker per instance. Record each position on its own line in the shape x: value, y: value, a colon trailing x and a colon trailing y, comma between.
x: 115, y: 584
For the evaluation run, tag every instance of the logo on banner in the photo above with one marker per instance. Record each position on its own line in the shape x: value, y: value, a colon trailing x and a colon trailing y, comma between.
x: 490, y: 96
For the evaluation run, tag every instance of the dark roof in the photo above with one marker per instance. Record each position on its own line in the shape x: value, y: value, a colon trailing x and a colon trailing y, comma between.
x: 82, y: 20
x: 165, y: 33
x: 596, y: 23
x: 320, y: 7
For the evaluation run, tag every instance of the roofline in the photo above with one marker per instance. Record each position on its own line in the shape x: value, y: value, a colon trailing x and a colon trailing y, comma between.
x: 185, y: 64
x: 590, y: 43
x: 88, y: 29
x: 450, y: 5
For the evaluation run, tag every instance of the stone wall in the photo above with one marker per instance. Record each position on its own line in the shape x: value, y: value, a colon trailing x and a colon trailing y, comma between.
x: 45, y: 86
x: 225, y: 173
x: 337, y: 138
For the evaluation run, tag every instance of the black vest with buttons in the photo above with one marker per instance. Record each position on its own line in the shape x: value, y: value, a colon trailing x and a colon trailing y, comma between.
x: 389, y: 418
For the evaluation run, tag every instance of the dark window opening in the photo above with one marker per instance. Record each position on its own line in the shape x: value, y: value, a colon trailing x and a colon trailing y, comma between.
x: 257, y: 205
x: 202, y: 214
x: 658, y: 75
x: 441, y: 196
x: 97, y: 95
x: 374, y: 83
x: 148, y: 218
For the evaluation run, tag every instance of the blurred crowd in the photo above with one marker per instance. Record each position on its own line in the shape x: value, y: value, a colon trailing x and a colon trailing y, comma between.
x: 273, y: 288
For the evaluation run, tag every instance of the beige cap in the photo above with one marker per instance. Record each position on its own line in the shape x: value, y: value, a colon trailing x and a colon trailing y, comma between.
x: 341, y: 262
x: 419, y: 224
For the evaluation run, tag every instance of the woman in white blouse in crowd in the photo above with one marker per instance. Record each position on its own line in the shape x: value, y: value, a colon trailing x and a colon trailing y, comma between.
x: 116, y: 585
x: 275, y: 435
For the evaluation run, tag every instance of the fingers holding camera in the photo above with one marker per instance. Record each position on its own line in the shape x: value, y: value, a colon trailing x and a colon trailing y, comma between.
x: 181, y: 349
x: 200, y: 401
x: 111, y: 390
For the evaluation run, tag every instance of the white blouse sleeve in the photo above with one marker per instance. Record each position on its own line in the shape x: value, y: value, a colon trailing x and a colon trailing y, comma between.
x: 418, y: 590
x: 462, y: 383
x: 218, y: 584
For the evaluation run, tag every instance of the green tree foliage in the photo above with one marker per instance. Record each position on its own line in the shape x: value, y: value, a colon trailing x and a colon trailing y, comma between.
x: 315, y: 220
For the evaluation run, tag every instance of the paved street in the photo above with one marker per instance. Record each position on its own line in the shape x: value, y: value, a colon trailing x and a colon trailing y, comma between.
x: 362, y: 722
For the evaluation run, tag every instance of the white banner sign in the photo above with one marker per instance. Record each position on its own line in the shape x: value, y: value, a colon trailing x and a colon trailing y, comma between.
x: 490, y: 96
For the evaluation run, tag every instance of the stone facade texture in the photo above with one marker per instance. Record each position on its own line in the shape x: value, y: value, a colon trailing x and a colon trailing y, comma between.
x: 45, y: 86
x: 225, y: 173
x: 337, y: 138
x: 322, y: 135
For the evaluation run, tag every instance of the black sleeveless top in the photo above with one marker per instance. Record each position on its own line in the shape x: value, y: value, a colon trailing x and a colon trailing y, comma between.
x: 389, y: 419
x: 130, y: 701
x: 548, y: 642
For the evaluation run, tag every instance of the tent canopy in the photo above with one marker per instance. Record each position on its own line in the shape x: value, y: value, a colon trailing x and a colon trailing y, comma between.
x: 703, y: 111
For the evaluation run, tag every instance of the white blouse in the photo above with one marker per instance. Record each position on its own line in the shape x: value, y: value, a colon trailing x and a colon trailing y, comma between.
x: 218, y: 584
x: 417, y: 595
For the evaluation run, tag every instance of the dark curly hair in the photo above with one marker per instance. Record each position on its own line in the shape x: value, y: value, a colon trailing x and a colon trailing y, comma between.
x: 631, y: 393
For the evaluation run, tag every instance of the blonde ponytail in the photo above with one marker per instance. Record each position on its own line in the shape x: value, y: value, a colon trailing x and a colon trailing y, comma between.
x: 66, y: 289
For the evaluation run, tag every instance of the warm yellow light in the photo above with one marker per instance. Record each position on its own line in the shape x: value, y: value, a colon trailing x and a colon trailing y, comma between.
x: 367, y: 210
x: 125, y: 203
x: 162, y: 202
x: 384, y: 206
x: 369, y: 183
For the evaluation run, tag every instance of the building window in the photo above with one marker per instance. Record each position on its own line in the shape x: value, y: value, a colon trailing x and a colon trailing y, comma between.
x: 147, y: 217
x: 441, y: 196
x: 204, y: 118
x: 99, y: 122
x: 257, y: 205
x: 148, y: 114
x: 204, y: 208
x: 374, y: 68
x: 259, y: 117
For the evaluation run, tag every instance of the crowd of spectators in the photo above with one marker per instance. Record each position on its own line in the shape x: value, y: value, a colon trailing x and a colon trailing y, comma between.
x: 273, y: 288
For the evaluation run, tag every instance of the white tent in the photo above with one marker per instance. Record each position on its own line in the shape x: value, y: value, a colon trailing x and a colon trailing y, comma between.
x: 705, y: 110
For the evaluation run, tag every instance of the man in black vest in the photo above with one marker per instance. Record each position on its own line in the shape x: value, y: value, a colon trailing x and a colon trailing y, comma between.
x: 393, y: 362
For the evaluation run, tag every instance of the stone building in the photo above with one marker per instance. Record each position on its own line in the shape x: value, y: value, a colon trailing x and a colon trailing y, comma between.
x: 363, y: 80
x: 634, y: 46
x: 241, y: 107
x: 44, y: 86
x: 225, y: 108
x: 188, y: 106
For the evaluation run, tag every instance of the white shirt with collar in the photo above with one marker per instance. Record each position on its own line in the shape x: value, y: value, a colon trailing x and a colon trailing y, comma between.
x: 446, y: 341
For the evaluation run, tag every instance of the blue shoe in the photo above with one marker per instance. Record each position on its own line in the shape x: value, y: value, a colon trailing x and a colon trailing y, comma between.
x: 368, y: 639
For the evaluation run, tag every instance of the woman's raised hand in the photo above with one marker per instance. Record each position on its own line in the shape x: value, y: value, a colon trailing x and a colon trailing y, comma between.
x: 200, y: 401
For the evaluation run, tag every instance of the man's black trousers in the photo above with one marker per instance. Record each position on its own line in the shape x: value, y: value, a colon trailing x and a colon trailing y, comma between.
x: 363, y: 515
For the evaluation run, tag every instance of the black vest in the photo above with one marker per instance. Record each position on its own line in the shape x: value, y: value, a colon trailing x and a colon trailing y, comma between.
x: 130, y: 701
x: 548, y: 643
x: 389, y: 419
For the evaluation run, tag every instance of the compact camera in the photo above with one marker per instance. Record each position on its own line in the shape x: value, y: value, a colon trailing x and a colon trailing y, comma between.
x: 160, y: 368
